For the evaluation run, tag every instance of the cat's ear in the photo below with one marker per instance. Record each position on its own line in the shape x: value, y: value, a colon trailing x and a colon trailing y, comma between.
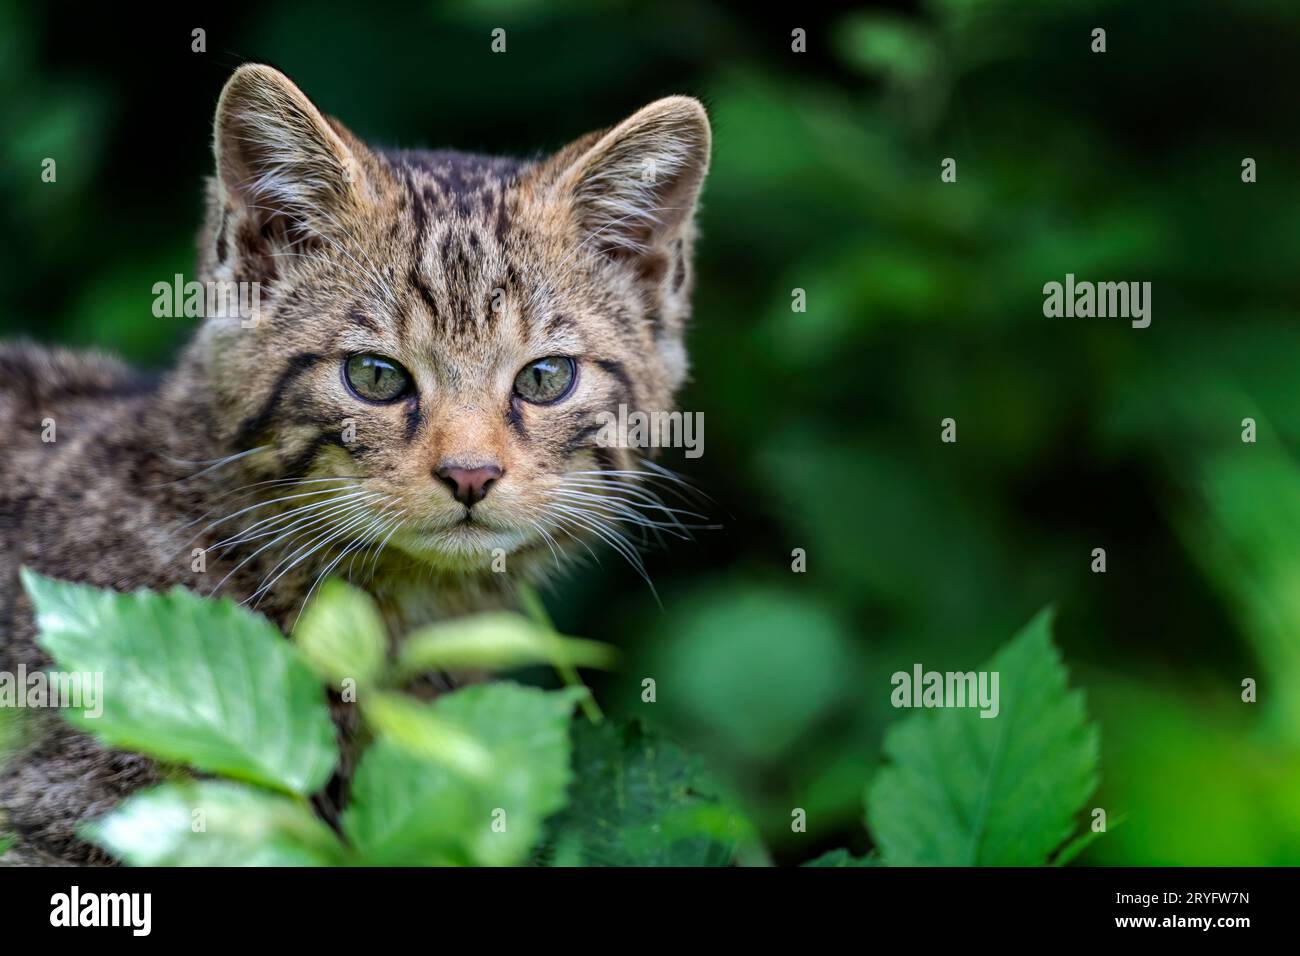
x: 633, y: 188
x: 279, y: 157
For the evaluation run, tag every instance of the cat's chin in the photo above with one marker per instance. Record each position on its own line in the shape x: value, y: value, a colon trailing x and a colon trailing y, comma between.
x: 462, y: 547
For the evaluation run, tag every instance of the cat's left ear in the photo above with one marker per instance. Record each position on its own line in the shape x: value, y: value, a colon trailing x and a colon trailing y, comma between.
x: 633, y: 189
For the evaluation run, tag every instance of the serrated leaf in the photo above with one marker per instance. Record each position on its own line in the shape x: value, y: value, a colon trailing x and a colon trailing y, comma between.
x: 641, y: 800
x: 496, y: 640
x: 406, y: 810
x: 342, y: 634
x: 191, y: 680
x: 215, y: 823
x: 961, y: 790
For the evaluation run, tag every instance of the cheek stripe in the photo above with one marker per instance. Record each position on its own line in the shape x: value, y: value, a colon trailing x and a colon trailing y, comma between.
x: 580, y: 441
x: 412, y: 418
x: 515, y: 419
x: 254, y: 425
x: 617, y: 370
x: 303, y: 461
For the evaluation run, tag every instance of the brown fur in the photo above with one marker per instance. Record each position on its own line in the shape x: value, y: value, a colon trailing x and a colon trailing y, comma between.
x: 356, y: 251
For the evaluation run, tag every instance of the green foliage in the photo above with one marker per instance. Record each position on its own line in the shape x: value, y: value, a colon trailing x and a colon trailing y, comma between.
x: 492, y: 820
x: 216, y: 823
x: 963, y: 790
x: 467, y: 779
x: 342, y: 635
x: 10, y: 736
x: 1207, y: 753
x: 636, y: 790
x: 498, y: 774
x: 191, y: 680
x: 797, y: 666
x: 498, y: 640
x: 416, y: 727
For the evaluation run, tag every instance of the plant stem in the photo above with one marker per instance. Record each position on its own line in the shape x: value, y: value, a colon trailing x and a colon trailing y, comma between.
x: 532, y: 605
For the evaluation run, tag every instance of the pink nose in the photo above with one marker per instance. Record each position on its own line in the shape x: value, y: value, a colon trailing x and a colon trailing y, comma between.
x: 469, y: 485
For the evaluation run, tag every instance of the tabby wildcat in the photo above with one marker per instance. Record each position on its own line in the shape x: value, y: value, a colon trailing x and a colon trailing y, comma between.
x: 436, y: 335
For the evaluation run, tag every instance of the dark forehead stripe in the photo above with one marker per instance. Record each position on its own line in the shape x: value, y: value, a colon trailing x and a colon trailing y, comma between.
x: 501, y: 223
x: 417, y: 206
x: 422, y: 289
x: 444, y: 185
x: 452, y: 183
x: 360, y: 318
x: 557, y: 323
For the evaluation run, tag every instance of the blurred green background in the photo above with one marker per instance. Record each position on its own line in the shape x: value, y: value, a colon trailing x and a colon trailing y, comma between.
x: 924, y: 301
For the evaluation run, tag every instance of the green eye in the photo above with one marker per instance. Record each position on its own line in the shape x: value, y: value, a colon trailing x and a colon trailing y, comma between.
x: 547, y: 380
x: 376, y: 379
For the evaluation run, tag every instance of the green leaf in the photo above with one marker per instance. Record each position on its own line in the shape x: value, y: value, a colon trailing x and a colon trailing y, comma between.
x: 496, y: 640
x: 342, y: 635
x: 410, y: 723
x: 408, y: 810
x: 191, y: 680
x: 641, y: 801
x: 215, y: 823
x: 842, y: 857
x: 962, y: 790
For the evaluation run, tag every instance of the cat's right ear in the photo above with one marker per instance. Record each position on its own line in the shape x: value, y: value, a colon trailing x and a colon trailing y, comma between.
x: 280, y: 160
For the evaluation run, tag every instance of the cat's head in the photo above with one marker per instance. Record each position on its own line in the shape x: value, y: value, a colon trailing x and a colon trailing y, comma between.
x: 441, y: 331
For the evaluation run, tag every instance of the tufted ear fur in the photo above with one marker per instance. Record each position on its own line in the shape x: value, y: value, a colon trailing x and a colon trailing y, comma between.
x: 634, y: 188
x: 285, y: 172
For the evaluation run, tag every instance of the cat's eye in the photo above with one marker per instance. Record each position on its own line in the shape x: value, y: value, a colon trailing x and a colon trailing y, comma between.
x: 547, y: 380
x: 375, y: 378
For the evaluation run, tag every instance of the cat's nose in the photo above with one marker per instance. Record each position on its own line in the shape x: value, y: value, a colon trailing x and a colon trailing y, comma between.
x: 469, y: 485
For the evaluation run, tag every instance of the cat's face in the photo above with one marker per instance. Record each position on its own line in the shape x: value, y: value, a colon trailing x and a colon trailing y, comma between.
x: 438, y: 332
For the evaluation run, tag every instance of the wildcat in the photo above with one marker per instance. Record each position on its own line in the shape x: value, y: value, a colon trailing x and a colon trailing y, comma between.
x: 436, y: 333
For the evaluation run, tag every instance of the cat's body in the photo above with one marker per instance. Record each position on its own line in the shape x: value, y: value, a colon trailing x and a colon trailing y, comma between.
x: 264, y: 459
